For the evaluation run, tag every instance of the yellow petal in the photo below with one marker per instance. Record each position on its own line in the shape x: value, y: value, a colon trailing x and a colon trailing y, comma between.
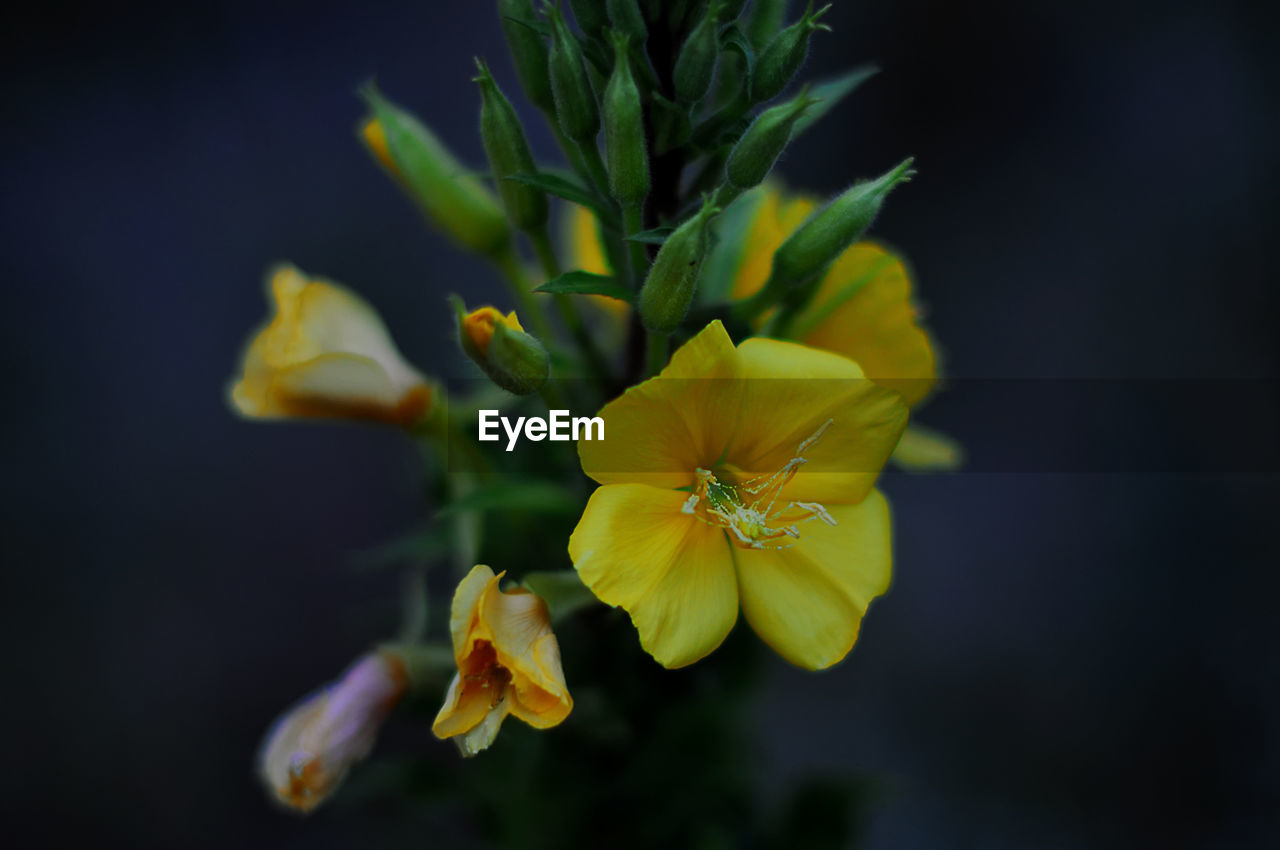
x: 520, y: 630
x: 774, y: 220
x: 672, y: 573
x: 464, y: 611
x: 808, y: 601
x: 659, y: 432
x: 466, y: 705
x: 790, y: 393
x: 877, y: 325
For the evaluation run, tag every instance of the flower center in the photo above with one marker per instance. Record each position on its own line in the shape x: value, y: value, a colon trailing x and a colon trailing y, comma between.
x: 749, y: 509
x: 488, y: 674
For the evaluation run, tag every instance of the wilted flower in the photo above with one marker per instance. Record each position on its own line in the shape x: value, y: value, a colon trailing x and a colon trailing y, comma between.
x: 312, y: 746
x: 326, y: 353
x: 508, y: 663
x: 742, y: 475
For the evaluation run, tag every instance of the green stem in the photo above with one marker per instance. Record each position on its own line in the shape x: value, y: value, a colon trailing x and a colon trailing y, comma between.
x: 633, y: 222
x: 551, y: 395
x: 518, y: 285
x: 657, y: 353
x: 595, y: 167
x: 568, y: 312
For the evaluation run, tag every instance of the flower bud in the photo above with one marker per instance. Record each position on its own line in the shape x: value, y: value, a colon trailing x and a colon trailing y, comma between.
x: 625, y: 154
x: 625, y: 18
x: 825, y: 235
x: 784, y: 55
x: 764, y: 21
x: 696, y: 65
x: 508, y: 152
x: 590, y: 15
x: 576, y: 107
x: 312, y: 746
x: 673, y: 278
x: 528, y: 51
x: 760, y: 146
x: 454, y: 201
x: 513, y: 359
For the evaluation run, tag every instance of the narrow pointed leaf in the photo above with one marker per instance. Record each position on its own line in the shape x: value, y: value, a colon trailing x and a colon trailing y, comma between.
x: 586, y: 283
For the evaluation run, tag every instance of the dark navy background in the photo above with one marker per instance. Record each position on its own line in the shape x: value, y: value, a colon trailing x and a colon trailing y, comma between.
x: 1065, y: 660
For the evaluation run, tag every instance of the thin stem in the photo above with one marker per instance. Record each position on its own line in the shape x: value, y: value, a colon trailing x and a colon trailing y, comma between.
x: 633, y: 222
x: 568, y: 312
x: 595, y: 167
x: 518, y: 285
x: 657, y: 353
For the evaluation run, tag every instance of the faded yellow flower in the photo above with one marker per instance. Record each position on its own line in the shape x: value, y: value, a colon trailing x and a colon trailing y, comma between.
x: 326, y: 353
x: 742, y: 476
x: 508, y: 663
x: 312, y: 746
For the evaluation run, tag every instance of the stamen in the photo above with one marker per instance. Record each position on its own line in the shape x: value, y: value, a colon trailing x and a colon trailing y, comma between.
x: 747, y: 509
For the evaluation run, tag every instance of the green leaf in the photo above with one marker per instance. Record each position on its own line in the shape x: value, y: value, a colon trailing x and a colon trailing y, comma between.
x: 830, y: 93
x: 586, y: 283
x: 532, y: 495
x: 429, y: 543
x: 562, y: 187
x: 652, y: 237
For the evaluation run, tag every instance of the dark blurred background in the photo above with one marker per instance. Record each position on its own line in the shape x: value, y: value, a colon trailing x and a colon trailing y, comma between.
x: 1074, y: 654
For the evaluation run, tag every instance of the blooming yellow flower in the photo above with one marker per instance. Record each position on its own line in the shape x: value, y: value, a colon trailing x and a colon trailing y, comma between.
x: 861, y: 309
x: 326, y: 353
x: 310, y: 748
x: 508, y: 663
x: 742, y: 476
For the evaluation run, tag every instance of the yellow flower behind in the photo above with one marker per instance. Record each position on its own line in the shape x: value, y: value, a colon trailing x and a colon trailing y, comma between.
x: 861, y: 309
x: 508, y: 663
x: 326, y: 353
x: 742, y: 476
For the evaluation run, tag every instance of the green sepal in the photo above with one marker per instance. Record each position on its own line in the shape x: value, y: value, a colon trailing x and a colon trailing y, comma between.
x: 830, y: 93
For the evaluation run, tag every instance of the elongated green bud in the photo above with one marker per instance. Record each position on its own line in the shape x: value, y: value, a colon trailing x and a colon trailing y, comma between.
x: 732, y: 9
x: 624, y: 148
x: 673, y: 278
x: 576, y: 107
x: 817, y: 242
x: 509, y: 154
x: 755, y: 153
x: 765, y: 20
x: 455, y: 202
x: 696, y: 65
x: 625, y: 17
x: 528, y: 51
x: 780, y: 61
x: 590, y: 15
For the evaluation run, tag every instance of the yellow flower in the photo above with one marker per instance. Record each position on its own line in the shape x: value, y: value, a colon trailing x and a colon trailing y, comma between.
x: 587, y: 254
x: 326, y: 353
x: 508, y: 663
x: 742, y: 476
x: 310, y: 748
x: 477, y: 327
x: 861, y: 309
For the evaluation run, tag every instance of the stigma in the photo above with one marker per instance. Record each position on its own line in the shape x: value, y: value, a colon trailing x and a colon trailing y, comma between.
x: 749, y: 510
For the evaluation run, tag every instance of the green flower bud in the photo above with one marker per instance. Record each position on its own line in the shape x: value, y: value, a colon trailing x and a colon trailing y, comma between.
x: 765, y: 21
x: 625, y: 17
x: 576, y: 108
x: 590, y: 15
x: 455, y: 202
x: 625, y: 154
x: 513, y: 359
x: 825, y: 235
x: 780, y: 61
x: 509, y: 154
x: 760, y: 146
x: 673, y: 278
x: 528, y: 51
x: 696, y: 65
